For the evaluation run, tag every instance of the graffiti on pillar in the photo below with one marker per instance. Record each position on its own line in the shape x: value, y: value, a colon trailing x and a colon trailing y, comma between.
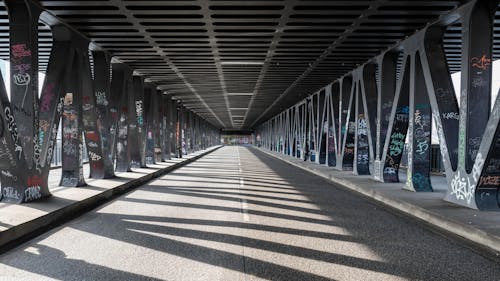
x: 488, y: 178
x: 101, y: 98
x: 422, y: 131
x: 139, y: 113
x: 447, y: 122
x: 106, y: 127
x: 12, y: 127
x: 420, y: 154
x: 72, y: 141
x: 7, y: 154
x: 150, y: 124
x: 362, y: 149
x: 19, y: 141
x: 139, y: 159
x: 29, y: 126
x: 135, y: 125
x: 167, y: 128
x: 323, y: 143
x: 332, y: 159
x: 450, y: 115
x: 462, y: 188
x: 106, y: 103
x: 20, y: 75
x: 150, y: 148
x: 385, y: 117
x: 396, y: 145
x: 348, y: 157
x: 122, y: 114
x: 469, y: 139
x: 23, y: 88
x: 481, y: 63
x: 345, y: 140
x: 47, y: 98
x: 92, y: 125
x: 122, y: 152
x: 20, y: 51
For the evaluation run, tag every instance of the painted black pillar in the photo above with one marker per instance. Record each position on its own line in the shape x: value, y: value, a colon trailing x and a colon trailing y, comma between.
x: 140, y: 115
x: 366, y: 85
x: 333, y: 108
x: 91, y: 123
x: 19, y: 183
x: 171, y: 114
x: 21, y: 174
x: 179, y: 130
x: 134, y: 132
x: 149, y: 91
x: 322, y: 127
x: 106, y: 113
x: 162, y: 122
x: 349, y: 129
x: 23, y: 42
x: 52, y: 98
x: 166, y: 126
x: 120, y: 87
x: 157, y: 124
x: 361, y: 151
x: 419, y: 131
x: 475, y: 97
x: 342, y: 113
x: 398, y: 126
x: 72, y: 133
x: 387, y: 63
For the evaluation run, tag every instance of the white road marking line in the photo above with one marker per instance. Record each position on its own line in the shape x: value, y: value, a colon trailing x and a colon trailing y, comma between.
x: 244, y: 205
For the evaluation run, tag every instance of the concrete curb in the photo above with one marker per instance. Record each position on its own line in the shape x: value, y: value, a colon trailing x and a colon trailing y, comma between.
x: 476, y: 237
x: 17, y: 234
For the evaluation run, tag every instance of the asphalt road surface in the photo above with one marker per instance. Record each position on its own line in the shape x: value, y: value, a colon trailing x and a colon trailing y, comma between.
x: 239, y: 214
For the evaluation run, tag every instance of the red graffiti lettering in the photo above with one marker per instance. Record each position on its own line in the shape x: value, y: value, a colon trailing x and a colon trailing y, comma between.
x: 48, y: 94
x: 20, y: 51
x: 92, y: 136
x: 489, y: 180
x: 97, y: 165
x: 481, y: 63
x: 34, y: 181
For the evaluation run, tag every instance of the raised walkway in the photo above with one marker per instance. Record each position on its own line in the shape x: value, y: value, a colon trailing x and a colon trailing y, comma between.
x: 26, y: 220
x: 478, y: 228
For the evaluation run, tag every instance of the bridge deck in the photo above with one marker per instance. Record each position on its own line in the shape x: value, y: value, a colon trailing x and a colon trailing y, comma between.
x: 240, y: 214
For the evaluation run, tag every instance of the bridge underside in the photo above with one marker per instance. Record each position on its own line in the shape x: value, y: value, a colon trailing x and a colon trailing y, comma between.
x: 342, y: 83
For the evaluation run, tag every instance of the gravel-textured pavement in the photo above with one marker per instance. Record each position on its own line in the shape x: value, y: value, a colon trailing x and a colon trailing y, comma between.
x: 239, y: 214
